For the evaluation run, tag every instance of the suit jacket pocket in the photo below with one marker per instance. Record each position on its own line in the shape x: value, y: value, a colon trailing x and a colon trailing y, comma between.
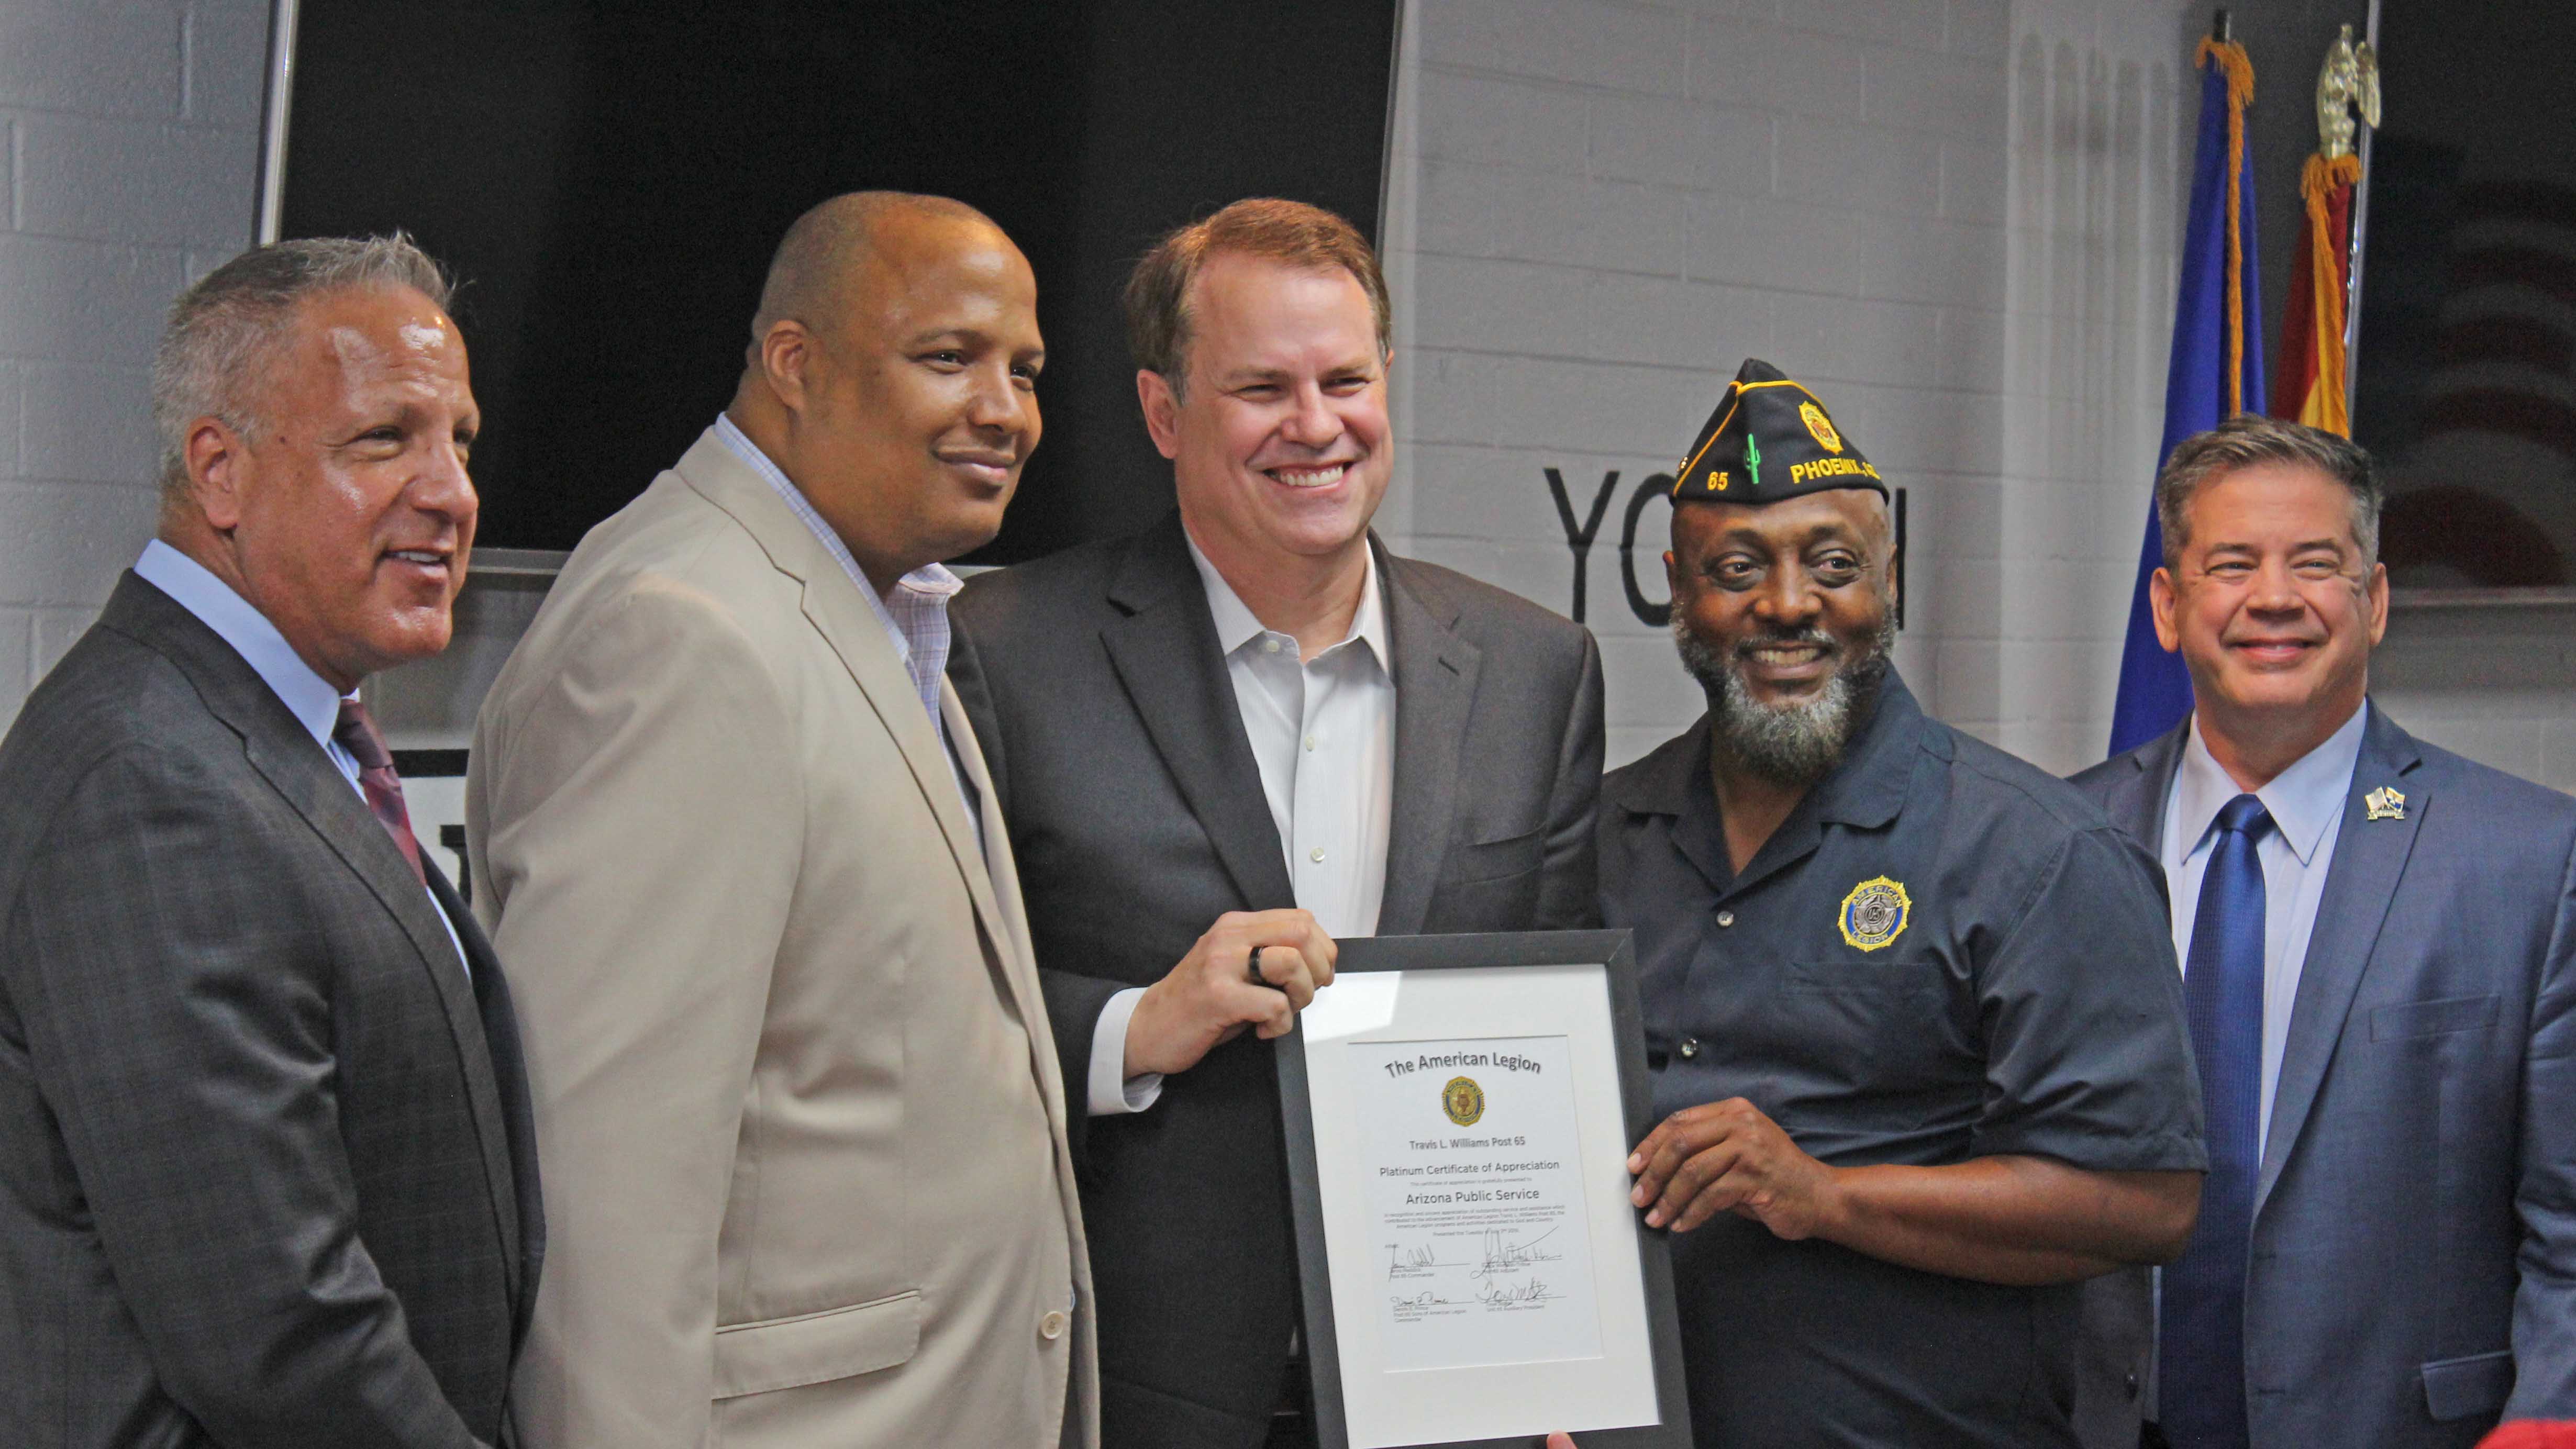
x: 2432, y: 1018
x: 1498, y: 859
x: 2467, y: 1388
x: 813, y: 1348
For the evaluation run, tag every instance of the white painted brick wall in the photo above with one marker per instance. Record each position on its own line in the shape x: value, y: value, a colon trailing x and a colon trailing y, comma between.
x: 1953, y: 217
x: 128, y: 146
x: 1599, y: 208
x: 1957, y: 221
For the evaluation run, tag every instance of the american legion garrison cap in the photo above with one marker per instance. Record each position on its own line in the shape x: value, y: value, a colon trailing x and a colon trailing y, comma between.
x: 1769, y: 439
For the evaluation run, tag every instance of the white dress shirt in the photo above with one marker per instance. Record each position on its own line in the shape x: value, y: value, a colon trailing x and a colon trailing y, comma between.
x: 2306, y: 803
x: 306, y: 695
x: 1323, y: 734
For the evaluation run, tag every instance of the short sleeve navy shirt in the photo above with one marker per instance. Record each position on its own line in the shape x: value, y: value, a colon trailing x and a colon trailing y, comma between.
x: 1943, y: 953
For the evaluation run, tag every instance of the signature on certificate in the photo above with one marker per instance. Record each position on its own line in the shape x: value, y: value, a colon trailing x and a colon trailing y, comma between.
x: 1502, y: 1255
x: 1424, y: 1299
x: 1503, y: 1295
x: 1414, y: 1261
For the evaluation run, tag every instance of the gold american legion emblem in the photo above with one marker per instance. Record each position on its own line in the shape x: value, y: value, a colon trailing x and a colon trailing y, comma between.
x: 1820, y: 425
x: 1463, y: 1100
x: 2384, y: 803
x: 1874, y: 913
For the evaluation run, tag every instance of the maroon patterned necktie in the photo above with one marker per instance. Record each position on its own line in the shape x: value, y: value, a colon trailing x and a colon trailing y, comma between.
x: 356, y: 733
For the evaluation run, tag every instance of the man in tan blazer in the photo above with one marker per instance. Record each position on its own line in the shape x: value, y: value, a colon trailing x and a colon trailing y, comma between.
x: 795, y: 1091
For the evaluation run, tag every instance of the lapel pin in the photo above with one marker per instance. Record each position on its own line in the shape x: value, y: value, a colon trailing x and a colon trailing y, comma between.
x: 2385, y: 803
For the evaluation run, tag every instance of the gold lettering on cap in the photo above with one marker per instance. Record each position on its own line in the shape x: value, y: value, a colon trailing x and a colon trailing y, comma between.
x: 1830, y: 468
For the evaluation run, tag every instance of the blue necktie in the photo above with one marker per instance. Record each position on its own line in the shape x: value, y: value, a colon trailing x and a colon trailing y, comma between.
x: 2200, y: 1336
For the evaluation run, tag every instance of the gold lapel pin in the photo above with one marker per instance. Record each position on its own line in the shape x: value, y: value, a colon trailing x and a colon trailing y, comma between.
x: 2385, y: 803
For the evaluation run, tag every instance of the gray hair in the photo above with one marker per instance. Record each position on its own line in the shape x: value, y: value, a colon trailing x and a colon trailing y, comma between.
x: 1793, y: 743
x: 225, y: 331
x: 2248, y: 440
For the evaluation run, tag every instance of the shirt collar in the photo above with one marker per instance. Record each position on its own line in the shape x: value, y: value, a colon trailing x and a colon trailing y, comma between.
x: 1867, y: 788
x: 2302, y: 800
x: 193, y: 587
x: 1869, y: 785
x: 1236, y: 625
x: 929, y: 582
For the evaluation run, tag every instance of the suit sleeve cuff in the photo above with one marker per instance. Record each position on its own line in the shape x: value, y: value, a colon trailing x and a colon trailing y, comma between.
x: 1112, y: 1093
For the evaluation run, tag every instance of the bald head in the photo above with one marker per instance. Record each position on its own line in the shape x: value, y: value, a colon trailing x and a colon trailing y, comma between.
x: 833, y: 249
x: 893, y: 374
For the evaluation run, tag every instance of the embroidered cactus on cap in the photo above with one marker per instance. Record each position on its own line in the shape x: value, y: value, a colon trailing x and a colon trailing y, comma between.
x: 1769, y: 439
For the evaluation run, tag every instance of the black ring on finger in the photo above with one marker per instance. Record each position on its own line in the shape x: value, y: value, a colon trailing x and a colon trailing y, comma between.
x: 1252, y: 968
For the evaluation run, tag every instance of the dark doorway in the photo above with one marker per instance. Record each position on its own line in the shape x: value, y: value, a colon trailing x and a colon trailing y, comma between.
x: 608, y: 179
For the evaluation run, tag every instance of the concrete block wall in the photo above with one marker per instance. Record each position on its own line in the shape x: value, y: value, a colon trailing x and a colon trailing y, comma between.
x: 2102, y: 101
x: 1955, y: 218
x: 128, y: 151
x: 2497, y: 684
x: 1599, y: 208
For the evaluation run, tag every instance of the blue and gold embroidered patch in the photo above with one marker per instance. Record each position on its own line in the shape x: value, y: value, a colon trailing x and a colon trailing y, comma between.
x: 1875, y: 913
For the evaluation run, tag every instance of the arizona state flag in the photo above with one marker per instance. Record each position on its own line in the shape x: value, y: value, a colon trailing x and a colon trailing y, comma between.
x: 2217, y: 367
x: 2311, y: 386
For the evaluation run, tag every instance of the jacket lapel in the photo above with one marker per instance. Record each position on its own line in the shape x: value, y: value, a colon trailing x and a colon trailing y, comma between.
x: 1012, y: 953
x: 276, y: 745
x: 1165, y: 652
x: 317, y: 790
x: 2369, y: 858
x: 1435, y: 691
x: 510, y: 1165
x: 2136, y: 798
x: 849, y: 627
x: 1018, y: 963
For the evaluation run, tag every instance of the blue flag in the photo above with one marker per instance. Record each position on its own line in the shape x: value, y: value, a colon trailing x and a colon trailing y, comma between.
x: 2211, y: 338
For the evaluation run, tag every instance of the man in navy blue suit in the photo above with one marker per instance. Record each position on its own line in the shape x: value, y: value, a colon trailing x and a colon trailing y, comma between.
x: 2378, y: 942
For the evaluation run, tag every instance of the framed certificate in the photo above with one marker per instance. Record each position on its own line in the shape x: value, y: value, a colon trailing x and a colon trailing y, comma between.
x: 1459, y: 1113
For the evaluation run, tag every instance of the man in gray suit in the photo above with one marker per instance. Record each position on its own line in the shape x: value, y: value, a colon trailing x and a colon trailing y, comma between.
x: 2379, y: 954
x: 1227, y: 738
x: 266, y: 1179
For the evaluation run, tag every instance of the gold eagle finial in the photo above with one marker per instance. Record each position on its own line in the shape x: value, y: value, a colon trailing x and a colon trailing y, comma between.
x: 2349, y: 78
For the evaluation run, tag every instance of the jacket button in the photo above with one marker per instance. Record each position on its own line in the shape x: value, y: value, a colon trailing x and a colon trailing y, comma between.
x: 1051, y: 1327
x: 1690, y: 1046
x: 1725, y: 918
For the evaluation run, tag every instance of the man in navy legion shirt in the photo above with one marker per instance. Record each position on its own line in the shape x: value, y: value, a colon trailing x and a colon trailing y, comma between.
x: 1911, y: 1003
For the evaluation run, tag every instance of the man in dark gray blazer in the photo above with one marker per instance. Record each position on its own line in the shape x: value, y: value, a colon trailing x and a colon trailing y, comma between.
x: 265, y: 1165
x: 2379, y: 955
x: 1226, y: 738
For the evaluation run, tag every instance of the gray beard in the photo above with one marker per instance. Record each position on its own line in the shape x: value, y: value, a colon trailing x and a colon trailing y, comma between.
x: 1797, y: 742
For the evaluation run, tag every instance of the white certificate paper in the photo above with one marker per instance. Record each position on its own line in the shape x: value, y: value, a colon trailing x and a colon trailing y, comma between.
x: 1472, y: 1186
x: 1473, y: 1197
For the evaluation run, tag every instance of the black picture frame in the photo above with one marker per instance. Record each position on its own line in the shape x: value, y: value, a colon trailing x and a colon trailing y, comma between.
x: 1615, y: 953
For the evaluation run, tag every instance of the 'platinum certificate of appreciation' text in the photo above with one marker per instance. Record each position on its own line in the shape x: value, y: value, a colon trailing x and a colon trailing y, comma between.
x: 1475, y: 1201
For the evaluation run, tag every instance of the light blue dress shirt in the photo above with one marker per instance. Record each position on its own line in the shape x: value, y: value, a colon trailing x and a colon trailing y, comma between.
x: 306, y: 695
x: 2306, y: 803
